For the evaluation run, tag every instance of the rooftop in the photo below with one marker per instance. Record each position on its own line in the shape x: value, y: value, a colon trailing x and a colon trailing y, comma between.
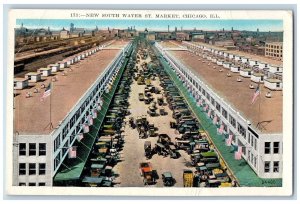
x: 118, y: 44
x: 238, y: 94
x: 32, y: 115
x: 20, y: 79
x: 169, y: 44
x: 259, y: 58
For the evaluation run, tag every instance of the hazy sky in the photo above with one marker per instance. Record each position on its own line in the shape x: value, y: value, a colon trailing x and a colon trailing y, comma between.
x: 250, y: 25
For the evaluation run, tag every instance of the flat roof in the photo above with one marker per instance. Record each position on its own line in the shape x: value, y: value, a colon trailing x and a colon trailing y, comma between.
x: 32, y: 116
x: 271, y: 80
x: 238, y: 94
x: 118, y: 44
x: 33, y: 73
x: 20, y: 79
x: 209, y: 46
x: 44, y: 68
x: 259, y: 58
x: 169, y: 44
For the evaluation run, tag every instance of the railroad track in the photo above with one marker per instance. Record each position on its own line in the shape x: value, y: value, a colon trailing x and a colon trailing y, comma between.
x: 42, y: 60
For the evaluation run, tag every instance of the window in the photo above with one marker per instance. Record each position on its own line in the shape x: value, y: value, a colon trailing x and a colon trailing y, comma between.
x: 212, y: 101
x: 208, y: 97
x: 32, y: 184
x: 42, y: 149
x: 241, y: 130
x: 32, y: 149
x: 57, y: 142
x: 22, y: 169
x: 267, y: 167
x: 276, y: 166
x: 249, y: 136
x: 22, y: 184
x: 218, y: 106
x: 42, y: 184
x: 255, y: 160
x: 277, y: 85
x: 32, y: 169
x: 224, y: 113
x: 276, y: 148
x: 251, y: 158
x: 232, y: 121
x: 42, y: 169
x: 267, y: 147
x: 255, y: 143
x: 22, y: 149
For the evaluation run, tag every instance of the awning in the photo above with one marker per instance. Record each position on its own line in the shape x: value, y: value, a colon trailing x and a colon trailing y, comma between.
x: 71, y: 169
x: 92, y: 180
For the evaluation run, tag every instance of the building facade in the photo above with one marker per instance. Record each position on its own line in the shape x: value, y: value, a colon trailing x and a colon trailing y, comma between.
x: 37, y: 158
x: 274, y: 50
x: 262, y: 151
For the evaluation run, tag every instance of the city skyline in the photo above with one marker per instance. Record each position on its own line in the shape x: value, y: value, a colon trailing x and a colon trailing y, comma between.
x: 155, y: 25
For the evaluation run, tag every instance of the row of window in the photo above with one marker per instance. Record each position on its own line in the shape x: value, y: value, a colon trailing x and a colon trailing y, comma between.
x: 252, y: 141
x: 66, y: 130
x: 252, y: 158
x: 32, y: 149
x: 274, y: 46
x: 32, y: 184
x: 268, y: 148
x: 31, y: 169
x: 61, y: 137
x: 225, y: 114
x: 274, y: 51
x: 273, y: 55
x: 268, y: 168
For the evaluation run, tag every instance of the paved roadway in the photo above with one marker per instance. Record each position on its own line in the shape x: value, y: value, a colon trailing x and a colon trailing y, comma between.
x: 133, y: 150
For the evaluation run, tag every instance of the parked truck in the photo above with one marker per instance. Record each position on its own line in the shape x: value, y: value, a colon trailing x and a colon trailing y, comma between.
x: 187, y: 178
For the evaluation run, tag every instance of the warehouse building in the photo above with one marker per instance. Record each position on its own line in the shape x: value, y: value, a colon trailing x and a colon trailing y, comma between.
x: 257, y: 130
x: 42, y: 141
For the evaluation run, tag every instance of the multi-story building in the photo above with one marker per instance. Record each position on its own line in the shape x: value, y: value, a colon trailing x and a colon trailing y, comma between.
x: 258, y: 132
x: 44, y: 131
x: 274, y: 50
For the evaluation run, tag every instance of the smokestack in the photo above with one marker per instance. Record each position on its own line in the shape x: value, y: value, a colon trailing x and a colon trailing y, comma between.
x: 168, y: 28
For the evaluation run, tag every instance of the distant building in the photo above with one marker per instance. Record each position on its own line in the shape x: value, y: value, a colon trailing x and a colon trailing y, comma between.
x: 164, y: 35
x: 274, y: 50
x: 181, y: 36
x: 198, y: 37
x: 151, y: 36
x: 64, y: 34
x: 223, y: 43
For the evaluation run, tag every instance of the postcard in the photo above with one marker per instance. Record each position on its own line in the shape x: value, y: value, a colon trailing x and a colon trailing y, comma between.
x: 149, y: 102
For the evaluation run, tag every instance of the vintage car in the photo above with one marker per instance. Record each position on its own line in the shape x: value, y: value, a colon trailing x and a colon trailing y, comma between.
x: 168, y: 179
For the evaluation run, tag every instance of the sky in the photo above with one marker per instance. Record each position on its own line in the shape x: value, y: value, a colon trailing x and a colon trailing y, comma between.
x: 249, y: 25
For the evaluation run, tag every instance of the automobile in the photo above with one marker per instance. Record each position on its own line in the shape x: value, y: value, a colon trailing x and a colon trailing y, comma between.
x: 147, y: 148
x: 149, y: 175
x: 188, y: 178
x: 162, y: 111
x: 141, y: 96
x: 168, y: 179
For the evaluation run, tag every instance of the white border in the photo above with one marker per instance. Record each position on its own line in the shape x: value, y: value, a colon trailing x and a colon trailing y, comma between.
x: 253, y: 191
